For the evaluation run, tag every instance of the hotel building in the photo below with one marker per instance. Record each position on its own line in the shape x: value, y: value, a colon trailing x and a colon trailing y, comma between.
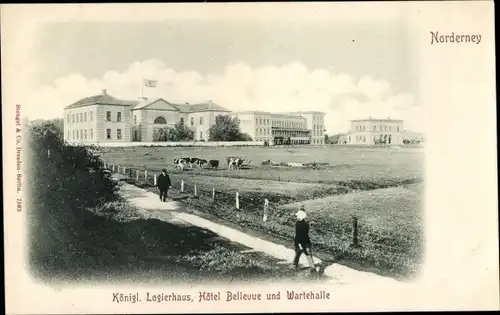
x: 280, y: 128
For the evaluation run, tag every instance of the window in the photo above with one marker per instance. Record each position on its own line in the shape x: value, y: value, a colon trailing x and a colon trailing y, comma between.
x: 118, y: 134
x: 85, y: 134
x: 192, y: 121
x: 81, y: 134
x: 160, y: 120
x: 397, y: 128
x: 108, y: 134
x: 91, y: 133
x: 108, y: 117
x: 90, y: 114
x: 201, y: 135
x: 201, y: 120
x: 73, y: 118
x: 268, y: 121
x: 85, y: 116
x: 77, y: 135
x: 182, y: 120
x: 77, y: 117
x: 374, y: 128
x: 68, y: 135
x: 256, y: 121
x: 73, y: 135
x: 119, y: 116
x: 68, y: 119
x: 135, y: 119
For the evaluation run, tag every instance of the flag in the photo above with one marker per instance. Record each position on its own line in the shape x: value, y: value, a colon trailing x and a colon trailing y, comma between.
x: 149, y: 83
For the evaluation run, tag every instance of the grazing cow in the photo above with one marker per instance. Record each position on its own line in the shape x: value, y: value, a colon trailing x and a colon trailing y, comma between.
x: 240, y: 162
x: 213, y: 164
x: 201, y: 162
x: 190, y: 161
x: 179, y: 164
x: 230, y: 160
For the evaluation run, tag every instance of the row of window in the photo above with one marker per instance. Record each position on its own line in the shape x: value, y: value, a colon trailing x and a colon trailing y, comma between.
x: 263, y: 131
x: 317, y: 141
x: 81, y: 134
x: 288, y: 124
x: 317, y: 118
x: 382, y: 128
x: 88, y: 134
x: 79, y: 117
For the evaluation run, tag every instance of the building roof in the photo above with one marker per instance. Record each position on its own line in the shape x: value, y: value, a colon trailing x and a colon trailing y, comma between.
x: 101, y: 99
x: 308, y: 112
x: 105, y: 99
x: 377, y: 119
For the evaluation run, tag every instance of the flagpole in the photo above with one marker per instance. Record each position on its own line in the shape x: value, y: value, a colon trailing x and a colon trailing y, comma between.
x: 142, y: 88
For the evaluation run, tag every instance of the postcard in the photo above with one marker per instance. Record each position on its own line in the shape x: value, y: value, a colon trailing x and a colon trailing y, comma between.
x: 249, y: 157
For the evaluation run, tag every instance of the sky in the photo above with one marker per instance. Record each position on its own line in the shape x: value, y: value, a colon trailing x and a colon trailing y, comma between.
x: 349, y: 70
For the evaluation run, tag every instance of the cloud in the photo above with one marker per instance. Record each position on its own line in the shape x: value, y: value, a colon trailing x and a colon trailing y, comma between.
x: 238, y: 86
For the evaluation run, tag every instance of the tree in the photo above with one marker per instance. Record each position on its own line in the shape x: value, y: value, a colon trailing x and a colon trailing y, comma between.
x: 227, y: 128
x: 161, y: 134
x: 180, y: 132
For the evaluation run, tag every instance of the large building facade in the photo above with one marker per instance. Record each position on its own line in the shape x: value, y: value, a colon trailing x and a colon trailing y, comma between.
x: 283, y: 128
x: 104, y: 118
x: 375, y: 131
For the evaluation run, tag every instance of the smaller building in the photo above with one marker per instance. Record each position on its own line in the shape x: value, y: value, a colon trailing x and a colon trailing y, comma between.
x: 375, y: 131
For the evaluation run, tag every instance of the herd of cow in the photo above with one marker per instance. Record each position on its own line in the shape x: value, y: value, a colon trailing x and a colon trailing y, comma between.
x: 232, y: 163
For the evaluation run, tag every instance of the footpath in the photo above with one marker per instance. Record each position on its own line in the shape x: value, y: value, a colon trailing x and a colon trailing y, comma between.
x: 176, y: 212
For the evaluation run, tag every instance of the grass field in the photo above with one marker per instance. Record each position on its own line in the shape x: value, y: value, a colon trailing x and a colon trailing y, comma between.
x: 383, y: 187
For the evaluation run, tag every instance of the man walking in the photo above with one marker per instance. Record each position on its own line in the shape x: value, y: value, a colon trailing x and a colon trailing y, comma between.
x: 302, y: 240
x: 163, y: 183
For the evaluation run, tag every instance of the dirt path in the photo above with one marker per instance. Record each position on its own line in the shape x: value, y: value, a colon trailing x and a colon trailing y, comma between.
x: 178, y: 213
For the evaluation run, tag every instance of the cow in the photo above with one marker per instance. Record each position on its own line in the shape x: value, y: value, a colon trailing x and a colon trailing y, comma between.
x: 179, y: 164
x: 213, y: 164
x: 232, y: 162
x: 190, y: 161
x: 201, y: 162
x: 237, y: 162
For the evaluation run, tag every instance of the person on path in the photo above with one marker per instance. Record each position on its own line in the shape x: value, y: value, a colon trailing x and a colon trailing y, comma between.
x: 302, y: 240
x: 163, y: 183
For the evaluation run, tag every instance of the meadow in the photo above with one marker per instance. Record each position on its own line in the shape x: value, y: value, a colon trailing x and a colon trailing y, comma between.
x: 382, y: 187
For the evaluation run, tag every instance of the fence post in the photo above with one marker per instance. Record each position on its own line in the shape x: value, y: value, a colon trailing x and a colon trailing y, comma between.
x: 237, y: 200
x: 146, y: 176
x: 137, y: 175
x: 182, y: 185
x: 118, y: 169
x: 105, y: 165
x: 195, y: 191
x: 124, y: 171
x: 154, y: 179
x: 354, y: 232
x: 113, y: 168
x: 266, y: 207
x: 213, y: 194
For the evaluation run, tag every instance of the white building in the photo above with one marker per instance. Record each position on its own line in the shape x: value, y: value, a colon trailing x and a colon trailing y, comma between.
x: 280, y: 128
x: 375, y: 131
x: 103, y: 118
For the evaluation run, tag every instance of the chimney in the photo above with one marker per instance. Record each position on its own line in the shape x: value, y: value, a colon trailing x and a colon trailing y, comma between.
x: 103, y: 91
